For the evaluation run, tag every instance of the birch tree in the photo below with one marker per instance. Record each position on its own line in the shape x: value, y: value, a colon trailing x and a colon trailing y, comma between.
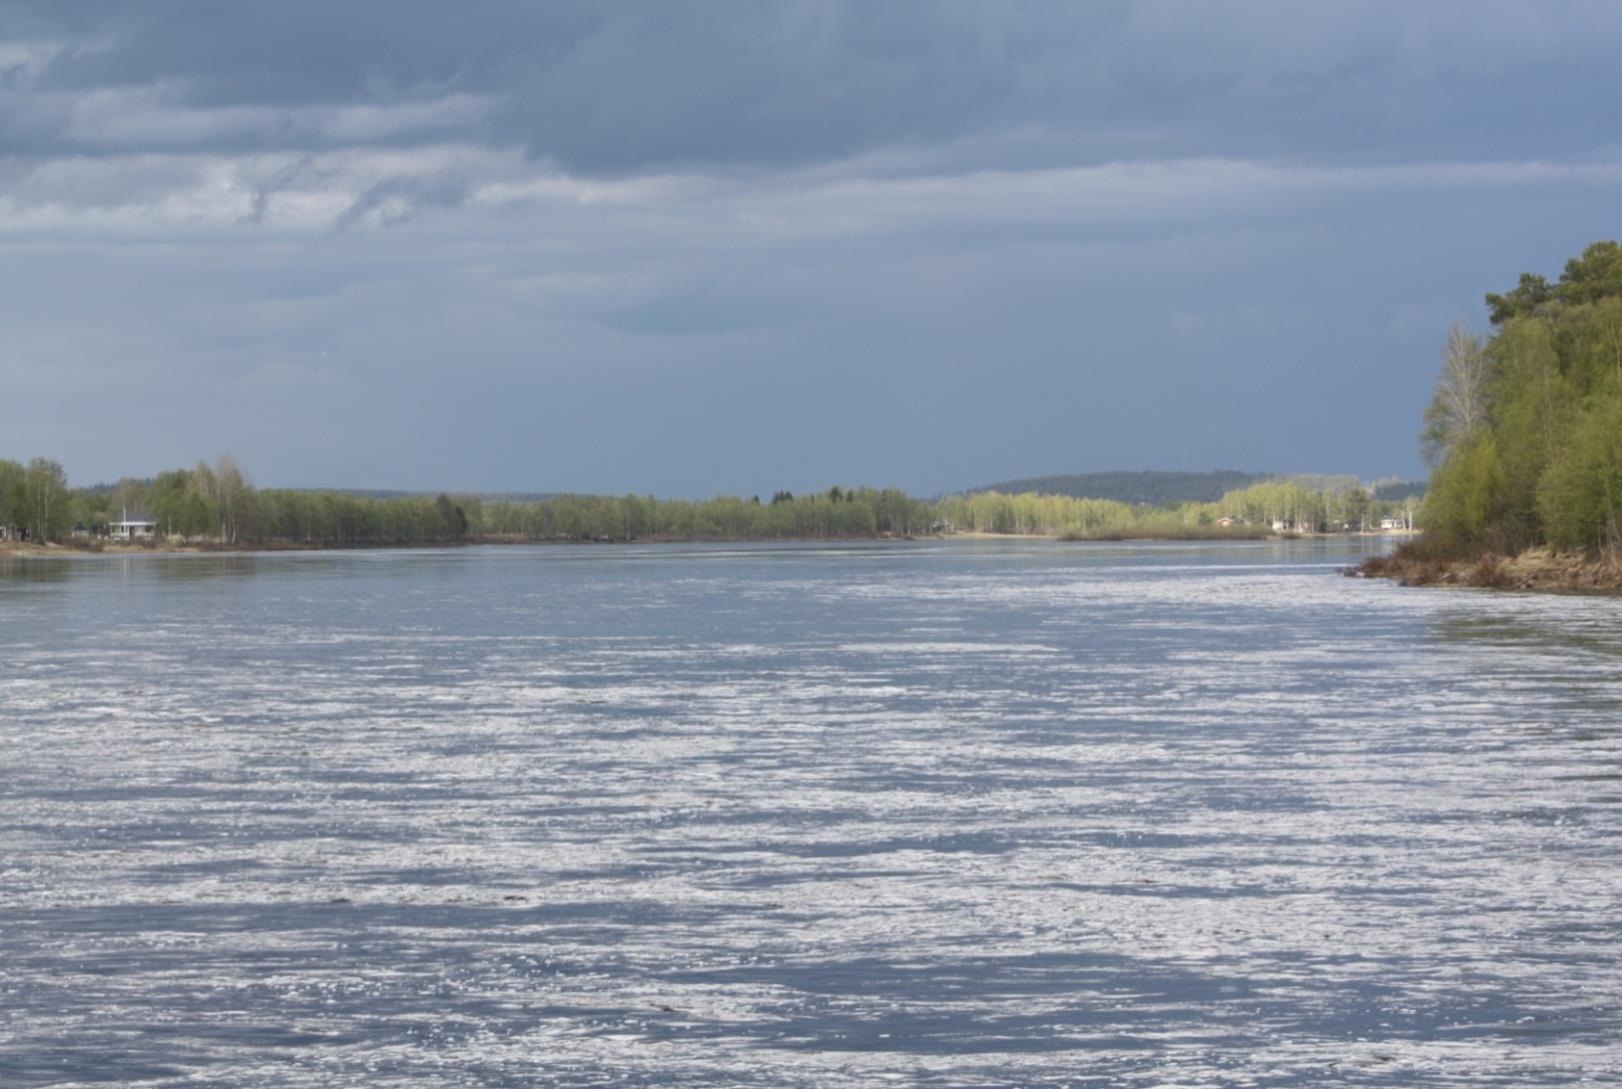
x: 230, y: 494
x: 47, y: 491
x: 1458, y: 409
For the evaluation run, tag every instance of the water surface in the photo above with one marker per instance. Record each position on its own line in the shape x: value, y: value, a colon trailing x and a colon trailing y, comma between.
x: 932, y: 813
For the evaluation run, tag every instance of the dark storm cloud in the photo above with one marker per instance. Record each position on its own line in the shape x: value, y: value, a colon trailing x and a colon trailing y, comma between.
x: 630, y: 87
x: 693, y: 246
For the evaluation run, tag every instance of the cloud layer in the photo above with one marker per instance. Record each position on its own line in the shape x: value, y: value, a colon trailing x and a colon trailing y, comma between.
x: 742, y: 246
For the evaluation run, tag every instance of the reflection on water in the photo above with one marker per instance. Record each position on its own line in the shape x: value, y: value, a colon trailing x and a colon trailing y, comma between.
x: 954, y: 814
x: 16, y: 569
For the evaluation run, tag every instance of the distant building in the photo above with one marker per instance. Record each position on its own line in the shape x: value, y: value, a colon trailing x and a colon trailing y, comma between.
x: 80, y: 531
x: 133, y: 527
x: 1226, y: 521
x: 1392, y: 523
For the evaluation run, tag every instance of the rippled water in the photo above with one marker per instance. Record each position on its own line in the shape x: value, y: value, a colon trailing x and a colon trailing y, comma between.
x: 935, y: 814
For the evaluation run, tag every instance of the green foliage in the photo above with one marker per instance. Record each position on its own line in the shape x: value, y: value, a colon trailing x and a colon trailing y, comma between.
x: 1596, y: 275
x: 1580, y: 493
x: 45, y: 500
x: 1530, y: 396
x: 859, y: 512
x: 180, y: 501
x: 1459, y: 506
x: 13, y: 498
x: 1269, y: 506
x: 1523, y: 301
x: 1545, y: 463
x: 452, y: 518
x: 215, y: 503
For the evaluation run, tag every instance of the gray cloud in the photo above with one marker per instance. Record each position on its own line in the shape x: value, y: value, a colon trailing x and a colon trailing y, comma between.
x: 638, y: 86
x: 612, y: 246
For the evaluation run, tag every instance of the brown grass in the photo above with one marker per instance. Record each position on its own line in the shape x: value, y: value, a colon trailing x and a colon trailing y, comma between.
x: 1539, y: 569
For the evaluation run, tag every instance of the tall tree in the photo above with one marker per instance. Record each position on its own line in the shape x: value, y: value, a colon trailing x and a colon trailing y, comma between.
x: 1597, y: 274
x: 230, y: 495
x: 46, y: 487
x: 13, y: 497
x: 1523, y: 300
x: 1458, y: 409
x: 130, y: 494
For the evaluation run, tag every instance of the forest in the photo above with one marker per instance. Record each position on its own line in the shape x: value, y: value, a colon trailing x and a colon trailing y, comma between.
x: 1524, y: 431
x: 215, y: 504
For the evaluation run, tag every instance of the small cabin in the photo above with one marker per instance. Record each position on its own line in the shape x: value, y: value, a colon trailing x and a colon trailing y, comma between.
x: 1225, y: 521
x: 133, y: 527
x: 1392, y: 523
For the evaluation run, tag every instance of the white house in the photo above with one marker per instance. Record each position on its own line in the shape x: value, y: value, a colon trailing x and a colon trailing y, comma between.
x: 133, y: 527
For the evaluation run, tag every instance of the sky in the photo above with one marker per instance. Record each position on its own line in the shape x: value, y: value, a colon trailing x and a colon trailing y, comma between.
x: 731, y: 247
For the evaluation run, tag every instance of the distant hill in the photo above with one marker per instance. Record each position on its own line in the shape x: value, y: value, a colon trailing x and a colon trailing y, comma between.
x: 1398, y: 490
x: 1143, y: 486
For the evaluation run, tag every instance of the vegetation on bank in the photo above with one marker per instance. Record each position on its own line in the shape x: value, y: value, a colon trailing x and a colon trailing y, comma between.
x: 216, y: 505
x: 1524, y: 434
x: 1274, y: 506
x: 1534, y: 569
x: 1525, y: 429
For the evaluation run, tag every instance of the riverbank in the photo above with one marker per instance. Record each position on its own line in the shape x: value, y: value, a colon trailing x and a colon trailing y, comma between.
x: 1537, y: 569
x: 54, y: 550
x: 103, y: 548
x: 1195, y: 534
x: 174, y: 547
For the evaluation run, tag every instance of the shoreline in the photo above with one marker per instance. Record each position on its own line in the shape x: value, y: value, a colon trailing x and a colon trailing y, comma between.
x: 19, y: 550
x: 30, y: 550
x: 1536, y: 570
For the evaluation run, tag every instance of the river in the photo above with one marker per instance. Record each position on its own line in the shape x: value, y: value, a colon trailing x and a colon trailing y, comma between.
x: 933, y: 813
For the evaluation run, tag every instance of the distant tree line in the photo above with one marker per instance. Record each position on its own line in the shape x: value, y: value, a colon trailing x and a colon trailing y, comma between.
x: 1286, y: 505
x: 217, y: 503
x: 1525, y: 428
x: 35, y: 500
